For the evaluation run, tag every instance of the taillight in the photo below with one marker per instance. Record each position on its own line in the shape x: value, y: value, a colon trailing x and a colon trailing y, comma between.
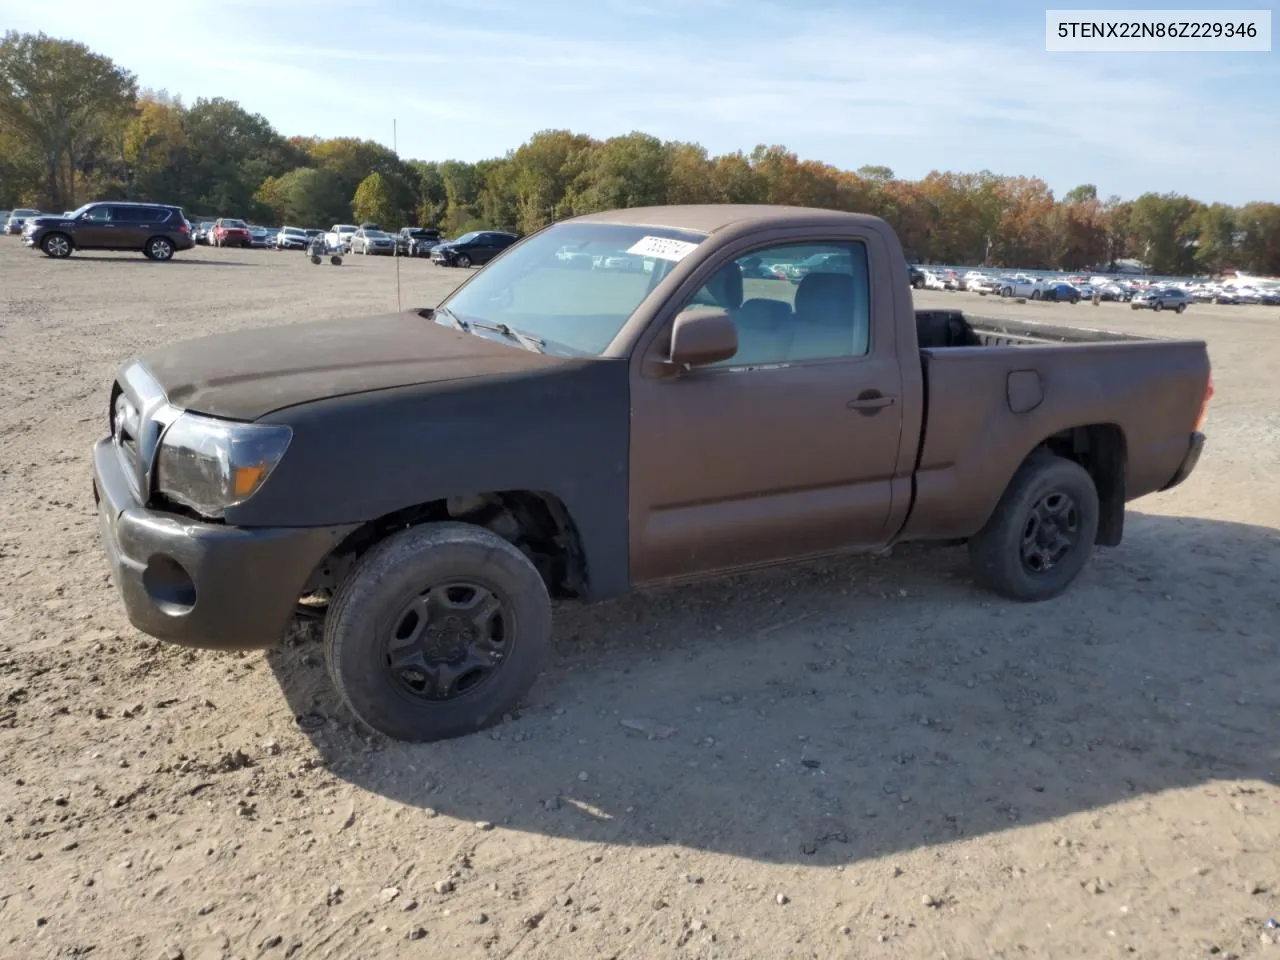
x: 184, y: 229
x: 1204, y: 405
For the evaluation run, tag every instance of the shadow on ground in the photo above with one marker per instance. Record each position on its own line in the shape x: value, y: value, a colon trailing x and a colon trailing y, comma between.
x: 849, y: 709
x: 179, y: 260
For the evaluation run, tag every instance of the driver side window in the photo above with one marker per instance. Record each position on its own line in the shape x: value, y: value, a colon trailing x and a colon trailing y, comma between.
x: 98, y: 214
x: 794, y: 302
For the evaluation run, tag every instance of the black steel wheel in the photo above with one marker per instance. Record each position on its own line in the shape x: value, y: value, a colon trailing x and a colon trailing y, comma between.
x: 1041, y: 533
x: 437, y: 632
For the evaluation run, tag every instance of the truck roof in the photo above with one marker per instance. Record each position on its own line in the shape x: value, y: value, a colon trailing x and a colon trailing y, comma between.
x: 711, y: 217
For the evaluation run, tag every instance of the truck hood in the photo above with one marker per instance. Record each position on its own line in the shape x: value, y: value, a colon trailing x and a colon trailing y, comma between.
x: 247, y: 374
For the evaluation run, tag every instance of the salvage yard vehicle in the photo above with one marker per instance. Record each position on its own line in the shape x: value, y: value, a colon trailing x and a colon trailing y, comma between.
x: 437, y: 476
x: 156, y: 230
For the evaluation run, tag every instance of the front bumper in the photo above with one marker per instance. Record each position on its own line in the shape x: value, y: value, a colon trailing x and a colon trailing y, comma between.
x: 1194, y: 448
x: 202, y: 584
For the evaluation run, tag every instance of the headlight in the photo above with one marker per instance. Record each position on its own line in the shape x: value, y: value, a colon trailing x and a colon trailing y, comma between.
x: 210, y: 465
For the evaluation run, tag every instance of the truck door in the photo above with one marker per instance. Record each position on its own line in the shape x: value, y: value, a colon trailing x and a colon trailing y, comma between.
x: 785, y: 450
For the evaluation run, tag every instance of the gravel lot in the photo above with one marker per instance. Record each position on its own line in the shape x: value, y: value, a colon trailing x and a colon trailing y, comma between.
x: 865, y: 758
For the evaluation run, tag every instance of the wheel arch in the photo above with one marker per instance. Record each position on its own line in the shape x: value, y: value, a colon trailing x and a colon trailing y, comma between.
x: 535, y: 521
x: 1101, y: 448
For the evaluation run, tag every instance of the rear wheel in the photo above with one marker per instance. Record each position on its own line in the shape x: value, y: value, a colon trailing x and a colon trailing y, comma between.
x: 1180, y: 308
x: 158, y: 248
x: 57, y: 246
x: 1157, y: 306
x: 437, y: 632
x: 1042, y: 531
x: 1075, y: 299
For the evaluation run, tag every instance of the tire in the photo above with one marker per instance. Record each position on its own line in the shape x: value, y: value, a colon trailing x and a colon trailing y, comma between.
x: 56, y: 246
x: 1075, y: 300
x: 1180, y: 308
x: 997, y: 555
x: 454, y: 565
x: 1157, y: 306
x: 1134, y: 306
x: 335, y: 260
x: 1006, y: 291
x: 1035, y: 294
x: 158, y: 248
x: 463, y: 260
x: 315, y: 260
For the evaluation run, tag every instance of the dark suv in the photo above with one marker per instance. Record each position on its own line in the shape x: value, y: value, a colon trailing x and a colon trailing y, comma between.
x: 477, y: 247
x: 157, y: 230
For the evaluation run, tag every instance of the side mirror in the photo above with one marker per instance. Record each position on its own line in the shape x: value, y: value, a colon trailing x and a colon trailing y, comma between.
x: 701, y: 336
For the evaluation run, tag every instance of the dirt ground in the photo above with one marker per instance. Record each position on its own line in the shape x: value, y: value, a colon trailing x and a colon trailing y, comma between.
x: 858, y: 758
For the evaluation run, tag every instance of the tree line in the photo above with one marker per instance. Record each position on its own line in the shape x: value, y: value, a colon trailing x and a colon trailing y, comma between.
x: 74, y: 127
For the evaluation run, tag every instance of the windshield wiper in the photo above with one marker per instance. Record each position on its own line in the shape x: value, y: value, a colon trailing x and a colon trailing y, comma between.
x: 526, y: 340
x: 456, y: 322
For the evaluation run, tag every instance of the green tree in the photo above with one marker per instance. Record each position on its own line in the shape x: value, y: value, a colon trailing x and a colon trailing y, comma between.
x: 61, y: 99
x: 372, y: 202
x: 1215, y: 244
x: 230, y: 153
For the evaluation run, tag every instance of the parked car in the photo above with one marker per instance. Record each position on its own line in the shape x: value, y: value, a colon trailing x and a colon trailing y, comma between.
x: 416, y: 241
x: 339, y: 236
x: 156, y: 230
x: 366, y: 240
x: 1161, y: 298
x: 1115, y: 291
x: 16, y: 219
x: 1062, y: 292
x: 477, y: 247
x: 291, y: 238
x: 4, y: 218
x: 915, y: 276
x: 1023, y: 286
x: 200, y: 232
x: 372, y: 460
x: 229, y: 232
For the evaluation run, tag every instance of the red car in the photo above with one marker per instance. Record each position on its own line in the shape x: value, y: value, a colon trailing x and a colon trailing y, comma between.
x: 227, y: 232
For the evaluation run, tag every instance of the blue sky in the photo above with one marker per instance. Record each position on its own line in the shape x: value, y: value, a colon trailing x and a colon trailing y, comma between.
x: 914, y: 87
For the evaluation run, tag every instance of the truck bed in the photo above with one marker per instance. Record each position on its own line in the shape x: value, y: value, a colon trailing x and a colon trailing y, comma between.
x: 952, y: 328
x: 1137, y: 398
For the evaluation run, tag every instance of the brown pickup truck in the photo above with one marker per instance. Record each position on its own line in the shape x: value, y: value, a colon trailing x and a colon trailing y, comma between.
x: 624, y: 399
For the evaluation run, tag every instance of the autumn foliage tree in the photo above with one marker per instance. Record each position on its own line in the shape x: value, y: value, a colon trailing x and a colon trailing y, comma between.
x: 73, y: 126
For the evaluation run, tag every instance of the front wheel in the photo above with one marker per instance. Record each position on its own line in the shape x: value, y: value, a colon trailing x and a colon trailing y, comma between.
x: 335, y: 260
x: 437, y: 632
x: 1075, y: 300
x: 1157, y: 306
x: 57, y: 246
x: 1042, y: 531
x: 1180, y: 308
x: 315, y: 259
x: 1035, y: 294
x: 1006, y: 291
x: 463, y: 261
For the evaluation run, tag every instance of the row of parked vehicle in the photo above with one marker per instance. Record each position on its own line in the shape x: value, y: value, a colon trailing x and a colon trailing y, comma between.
x: 1138, y: 293
x: 368, y: 239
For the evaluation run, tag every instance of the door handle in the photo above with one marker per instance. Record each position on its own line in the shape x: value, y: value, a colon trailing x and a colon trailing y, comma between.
x: 870, y: 402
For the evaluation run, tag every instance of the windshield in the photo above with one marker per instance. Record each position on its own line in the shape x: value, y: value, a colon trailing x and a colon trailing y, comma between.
x: 468, y: 237
x: 347, y: 229
x: 233, y: 223
x: 375, y: 234
x: 24, y: 212
x: 294, y: 231
x: 575, y: 284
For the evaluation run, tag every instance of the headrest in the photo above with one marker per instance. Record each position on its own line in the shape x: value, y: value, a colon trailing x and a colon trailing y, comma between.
x: 825, y: 291
x: 726, y: 286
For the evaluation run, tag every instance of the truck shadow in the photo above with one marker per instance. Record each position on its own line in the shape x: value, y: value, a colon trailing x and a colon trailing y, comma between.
x: 848, y: 709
